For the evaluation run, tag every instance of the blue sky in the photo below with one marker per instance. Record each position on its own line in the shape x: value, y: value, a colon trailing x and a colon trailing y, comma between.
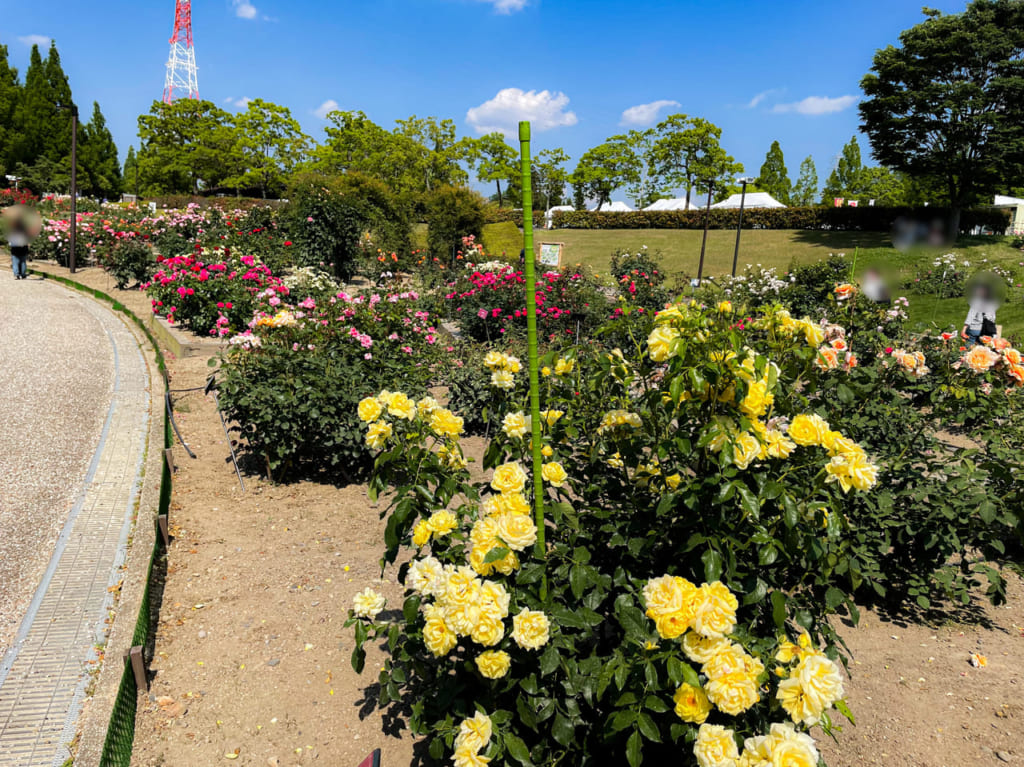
x: 582, y: 70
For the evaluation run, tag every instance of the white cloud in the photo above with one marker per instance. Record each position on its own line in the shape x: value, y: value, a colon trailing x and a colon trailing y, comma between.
x: 645, y: 114
x: 760, y: 97
x: 41, y: 40
x: 817, y: 105
x: 326, y: 108
x: 507, y: 6
x: 244, y: 9
x: 241, y: 103
x: 544, y: 109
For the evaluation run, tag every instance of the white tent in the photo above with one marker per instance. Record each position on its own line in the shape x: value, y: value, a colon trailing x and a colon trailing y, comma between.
x: 614, y: 207
x: 549, y: 217
x: 679, y: 203
x: 754, y: 200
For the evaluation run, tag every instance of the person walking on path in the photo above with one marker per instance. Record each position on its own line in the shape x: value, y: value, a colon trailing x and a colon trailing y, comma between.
x: 981, y: 314
x: 17, y: 239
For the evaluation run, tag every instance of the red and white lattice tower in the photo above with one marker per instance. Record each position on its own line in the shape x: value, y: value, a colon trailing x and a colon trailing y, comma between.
x: 182, y: 73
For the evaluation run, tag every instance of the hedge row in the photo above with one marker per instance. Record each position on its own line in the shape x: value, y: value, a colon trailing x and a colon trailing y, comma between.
x: 869, y: 219
x: 495, y: 215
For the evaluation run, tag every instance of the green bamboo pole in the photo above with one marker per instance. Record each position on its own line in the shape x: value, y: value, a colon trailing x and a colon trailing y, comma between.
x: 531, y: 337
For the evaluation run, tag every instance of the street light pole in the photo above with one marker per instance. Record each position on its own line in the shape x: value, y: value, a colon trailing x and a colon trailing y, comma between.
x: 739, y: 226
x: 74, y: 186
x: 704, y: 242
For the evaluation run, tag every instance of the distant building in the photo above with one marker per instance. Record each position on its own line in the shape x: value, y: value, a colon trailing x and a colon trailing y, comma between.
x: 1016, y: 207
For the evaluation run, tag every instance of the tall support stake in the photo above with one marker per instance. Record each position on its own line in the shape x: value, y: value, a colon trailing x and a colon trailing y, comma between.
x: 739, y: 227
x: 74, y: 188
x: 704, y: 242
x: 531, y: 340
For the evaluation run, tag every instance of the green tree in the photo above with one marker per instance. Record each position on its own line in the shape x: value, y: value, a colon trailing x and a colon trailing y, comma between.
x: 56, y: 137
x: 493, y: 159
x: 131, y: 171
x: 437, y: 149
x: 10, y: 94
x: 603, y: 169
x: 552, y: 175
x: 452, y: 213
x: 688, y: 154
x: 185, y: 147
x: 844, y: 179
x: 774, y: 177
x: 646, y: 180
x: 883, y: 186
x: 98, y: 154
x: 270, y: 145
x: 948, y: 103
x: 806, y: 189
x: 33, y: 114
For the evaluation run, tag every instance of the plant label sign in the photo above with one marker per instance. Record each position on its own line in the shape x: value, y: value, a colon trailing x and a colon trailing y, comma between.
x: 551, y: 253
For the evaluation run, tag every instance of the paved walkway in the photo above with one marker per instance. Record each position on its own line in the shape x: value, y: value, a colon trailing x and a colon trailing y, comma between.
x: 74, y: 408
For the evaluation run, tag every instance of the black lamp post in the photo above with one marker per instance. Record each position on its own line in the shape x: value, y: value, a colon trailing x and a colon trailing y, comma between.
x: 704, y: 242
x: 739, y: 226
x: 74, y: 182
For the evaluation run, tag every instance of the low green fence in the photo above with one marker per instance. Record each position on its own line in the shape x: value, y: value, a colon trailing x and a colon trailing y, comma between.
x: 117, y: 747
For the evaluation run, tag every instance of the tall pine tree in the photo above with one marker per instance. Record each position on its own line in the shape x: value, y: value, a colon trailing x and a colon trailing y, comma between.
x: 131, y: 172
x: 57, y: 137
x: 774, y: 178
x: 844, y: 180
x: 99, y: 158
x: 32, y: 114
x: 10, y: 93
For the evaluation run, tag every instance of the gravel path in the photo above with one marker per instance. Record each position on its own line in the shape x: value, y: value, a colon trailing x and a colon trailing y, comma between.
x: 56, y: 380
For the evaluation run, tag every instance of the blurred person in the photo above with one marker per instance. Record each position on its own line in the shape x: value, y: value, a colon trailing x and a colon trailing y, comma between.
x: 981, y: 313
x: 17, y: 239
x: 874, y: 286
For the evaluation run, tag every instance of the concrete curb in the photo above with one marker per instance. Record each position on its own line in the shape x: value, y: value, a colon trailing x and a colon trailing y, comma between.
x: 96, y: 712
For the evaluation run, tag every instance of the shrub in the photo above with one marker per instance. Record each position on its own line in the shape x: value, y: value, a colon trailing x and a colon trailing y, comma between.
x: 868, y: 219
x: 130, y: 262
x: 292, y: 380
x: 20, y: 196
x: 640, y: 278
x: 452, y: 213
x: 489, y: 303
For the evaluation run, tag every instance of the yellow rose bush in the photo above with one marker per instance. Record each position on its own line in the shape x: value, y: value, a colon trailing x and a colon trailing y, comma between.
x: 710, y: 492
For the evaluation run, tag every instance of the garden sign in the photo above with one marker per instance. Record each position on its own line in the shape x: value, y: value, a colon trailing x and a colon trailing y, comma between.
x: 551, y: 253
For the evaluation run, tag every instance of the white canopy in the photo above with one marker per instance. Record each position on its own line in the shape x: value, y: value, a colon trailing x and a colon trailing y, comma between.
x: 679, y: 203
x: 1002, y: 199
x: 614, y: 207
x: 754, y: 200
x: 559, y: 209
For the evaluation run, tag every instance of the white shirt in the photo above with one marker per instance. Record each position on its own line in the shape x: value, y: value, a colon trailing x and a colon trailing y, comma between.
x: 980, y: 310
x: 17, y: 239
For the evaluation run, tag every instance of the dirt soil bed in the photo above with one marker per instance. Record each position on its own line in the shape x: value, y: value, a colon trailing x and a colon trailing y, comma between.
x: 252, y: 663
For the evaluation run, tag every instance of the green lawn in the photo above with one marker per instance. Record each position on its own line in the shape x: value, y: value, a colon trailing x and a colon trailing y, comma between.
x: 680, y: 249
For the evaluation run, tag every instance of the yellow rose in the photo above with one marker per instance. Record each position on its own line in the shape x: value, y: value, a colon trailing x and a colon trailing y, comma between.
x: 462, y: 586
x: 516, y: 530
x: 779, y: 446
x: 511, y: 503
x: 493, y: 664
x: 673, y: 625
x: 378, y: 434
x: 545, y: 371
x: 441, y: 523
x: 733, y: 693
x: 509, y: 478
x: 421, y: 533
x: 488, y: 631
x: 503, y: 379
x: 746, y: 448
x: 512, y: 364
x: 451, y: 457
x: 714, y: 610
x: 368, y: 604
x: 757, y: 400
x: 791, y: 748
x: 438, y: 638
x: 445, y: 422
x: 369, y: 410
x: 660, y: 341
x: 813, y: 333
x: 401, y: 406
x: 546, y: 451
x: 672, y: 481
x: 427, y: 405
x: 692, y: 704
x: 466, y: 757
x: 699, y: 649
x: 494, y: 360
x: 564, y: 366
x: 811, y: 689
x: 715, y: 747
x: 725, y: 307
x: 808, y: 430
x: 474, y: 733
x: 530, y: 629
x: 514, y: 424
x: 424, y: 575
x: 554, y: 474
x: 484, y: 532
x: 668, y: 595
x: 551, y: 417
